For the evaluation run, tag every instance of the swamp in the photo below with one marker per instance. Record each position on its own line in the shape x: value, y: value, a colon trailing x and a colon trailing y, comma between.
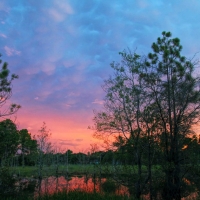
x: 101, y: 181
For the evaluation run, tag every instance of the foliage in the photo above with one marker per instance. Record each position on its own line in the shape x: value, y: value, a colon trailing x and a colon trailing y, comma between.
x: 9, y: 140
x: 81, y: 195
x: 109, y: 186
x: 7, y: 182
x: 15, y: 144
x: 151, y: 105
x: 28, y: 146
x: 42, y: 138
x: 6, y: 90
x: 174, y: 91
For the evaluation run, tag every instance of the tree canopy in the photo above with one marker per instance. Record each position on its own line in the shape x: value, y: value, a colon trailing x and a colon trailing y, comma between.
x: 152, y: 99
x: 6, y: 90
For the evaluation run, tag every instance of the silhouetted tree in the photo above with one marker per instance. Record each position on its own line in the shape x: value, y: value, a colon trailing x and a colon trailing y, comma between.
x: 6, y: 90
x: 27, y: 144
x: 9, y: 140
x: 152, y: 100
x: 169, y: 80
x: 43, y: 147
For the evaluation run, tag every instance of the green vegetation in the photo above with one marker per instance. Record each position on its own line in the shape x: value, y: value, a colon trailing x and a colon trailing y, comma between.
x: 78, y: 195
x: 74, y: 195
x: 77, y: 169
x: 109, y: 186
x: 6, y: 90
x: 151, y: 105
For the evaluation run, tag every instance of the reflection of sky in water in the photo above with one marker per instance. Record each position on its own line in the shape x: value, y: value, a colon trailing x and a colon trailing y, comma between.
x: 52, y: 184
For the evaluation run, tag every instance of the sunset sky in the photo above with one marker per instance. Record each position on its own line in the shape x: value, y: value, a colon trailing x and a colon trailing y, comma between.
x: 62, y: 50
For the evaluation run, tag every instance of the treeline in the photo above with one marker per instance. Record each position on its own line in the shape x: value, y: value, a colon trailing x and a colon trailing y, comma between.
x: 16, y: 146
x: 19, y: 148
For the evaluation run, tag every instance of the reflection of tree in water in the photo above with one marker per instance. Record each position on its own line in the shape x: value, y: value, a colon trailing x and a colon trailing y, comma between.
x: 189, y: 189
x: 109, y: 186
x: 22, y: 188
x: 52, y: 185
x: 94, y: 182
x: 28, y: 187
x: 86, y: 178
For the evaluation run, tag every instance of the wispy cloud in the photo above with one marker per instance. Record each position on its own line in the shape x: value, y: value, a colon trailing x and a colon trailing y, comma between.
x: 3, y: 35
x: 69, y: 144
x: 11, y: 52
x: 79, y: 140
x: 60, y: 10
x: 96, y: 101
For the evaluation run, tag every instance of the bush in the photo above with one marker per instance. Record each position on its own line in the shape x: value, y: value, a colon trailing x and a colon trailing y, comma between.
x: 7, y: 182
x: 109, y: 186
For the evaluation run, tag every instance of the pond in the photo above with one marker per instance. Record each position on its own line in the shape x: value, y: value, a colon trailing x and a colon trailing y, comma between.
x: 54, y: 184
x: 50, y: 185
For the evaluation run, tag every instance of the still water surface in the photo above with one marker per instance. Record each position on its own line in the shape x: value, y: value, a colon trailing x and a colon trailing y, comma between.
x: 53, y: 184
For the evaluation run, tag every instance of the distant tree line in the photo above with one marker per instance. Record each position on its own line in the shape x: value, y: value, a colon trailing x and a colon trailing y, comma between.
x: 19, y: 148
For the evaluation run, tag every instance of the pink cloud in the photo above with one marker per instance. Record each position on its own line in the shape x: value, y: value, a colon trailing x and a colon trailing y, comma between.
x: 3, y: 35
x: 60, y: 11
x: 11, y: 51
x: 64, y: 6
x: 96, y: 101
x: 56, y: 15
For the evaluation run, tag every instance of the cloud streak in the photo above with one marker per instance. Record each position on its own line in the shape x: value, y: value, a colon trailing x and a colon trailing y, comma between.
x: 11, y: 52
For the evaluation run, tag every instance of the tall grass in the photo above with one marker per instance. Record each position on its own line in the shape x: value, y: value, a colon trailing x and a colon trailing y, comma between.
x: 31, y: 171
x: 81, y: 195
x: 72, y: 195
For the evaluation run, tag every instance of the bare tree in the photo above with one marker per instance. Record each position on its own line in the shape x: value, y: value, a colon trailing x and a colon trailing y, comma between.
x: 44, y: 146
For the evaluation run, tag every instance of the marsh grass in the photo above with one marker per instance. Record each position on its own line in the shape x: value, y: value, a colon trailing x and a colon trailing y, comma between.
x: 79, y: 195
x: 73, y: 195
x: 31, y: 171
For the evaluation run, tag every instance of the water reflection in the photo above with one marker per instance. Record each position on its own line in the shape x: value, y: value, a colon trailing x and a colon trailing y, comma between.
x: 53, y: 184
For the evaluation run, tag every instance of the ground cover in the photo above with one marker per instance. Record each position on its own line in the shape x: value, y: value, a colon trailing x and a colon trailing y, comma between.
x: 73, y: 195
x: 32, y: 171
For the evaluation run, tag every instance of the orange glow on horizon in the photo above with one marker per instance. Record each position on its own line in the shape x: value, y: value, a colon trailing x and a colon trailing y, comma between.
x: 66, y: 132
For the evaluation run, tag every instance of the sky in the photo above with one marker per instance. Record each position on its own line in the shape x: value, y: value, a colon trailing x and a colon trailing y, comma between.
x: 62, y: 50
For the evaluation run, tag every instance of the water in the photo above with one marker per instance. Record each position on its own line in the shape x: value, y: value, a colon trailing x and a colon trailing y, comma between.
x: 50, y: 185
x: 55, y: 184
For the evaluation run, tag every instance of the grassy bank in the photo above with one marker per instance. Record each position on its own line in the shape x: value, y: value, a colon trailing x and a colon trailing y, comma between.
x: 31, y: 171
x: 77, y: 195
x: 73, y: 195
